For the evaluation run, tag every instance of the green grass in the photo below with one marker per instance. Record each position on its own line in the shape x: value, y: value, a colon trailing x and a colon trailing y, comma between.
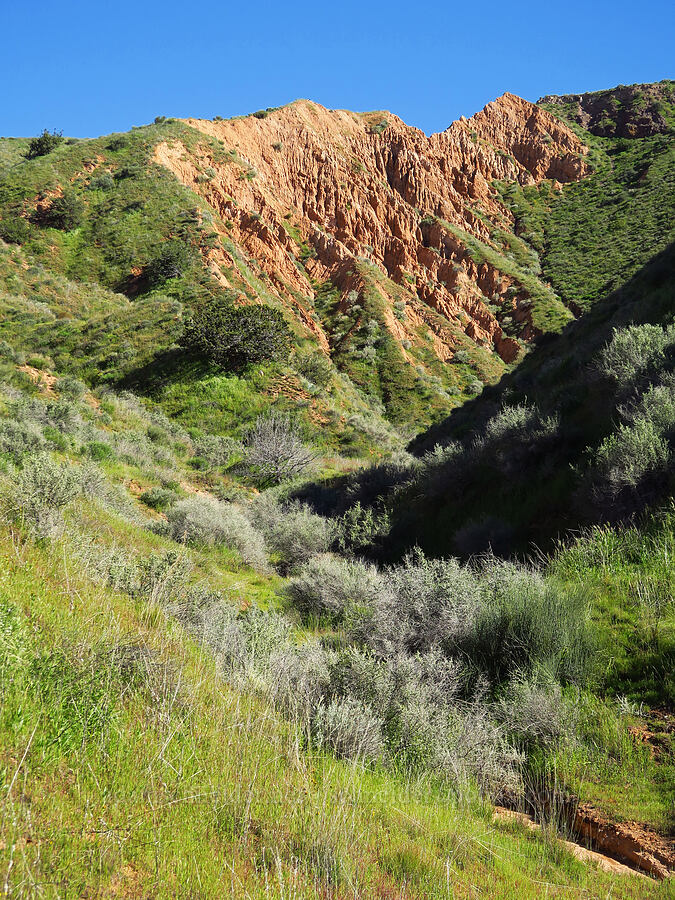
x: 155, y: 777
x: 12, y: 153
x: 594, y: 235
x: 629, y: 576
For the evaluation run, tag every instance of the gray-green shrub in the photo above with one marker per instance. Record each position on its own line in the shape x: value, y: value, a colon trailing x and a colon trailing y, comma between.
x: 209, y: 522
x: 349, y: 728
x: 327, y: 585
x: 292, y: 532
x: 633, y: 350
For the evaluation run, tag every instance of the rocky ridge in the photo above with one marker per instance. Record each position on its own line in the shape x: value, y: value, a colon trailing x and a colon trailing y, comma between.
x: 627, y: 111
x: 313, y: 195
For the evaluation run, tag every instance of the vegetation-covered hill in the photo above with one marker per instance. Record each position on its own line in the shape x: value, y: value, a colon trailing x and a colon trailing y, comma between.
x: 249, y: 645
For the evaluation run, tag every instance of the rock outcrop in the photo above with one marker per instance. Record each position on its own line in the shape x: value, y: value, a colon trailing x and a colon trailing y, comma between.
x: 308, y: 192
x: 627, y: 111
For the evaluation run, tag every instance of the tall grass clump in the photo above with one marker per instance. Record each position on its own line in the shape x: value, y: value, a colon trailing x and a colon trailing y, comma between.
x: 524, y: 622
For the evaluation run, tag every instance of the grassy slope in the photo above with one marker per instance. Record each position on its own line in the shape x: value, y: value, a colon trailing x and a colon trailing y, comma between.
x: 110, y: 325
x: 628, y: 576
x: 130, y: 767
x: 159, y: 779
x: 143, y: 770
x: 595, y: 235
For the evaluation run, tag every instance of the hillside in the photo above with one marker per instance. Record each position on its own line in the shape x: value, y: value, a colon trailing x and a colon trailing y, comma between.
x: 336, y: 505
x: 546, y: 450
x: 199, y: 699
x: 390, y: 251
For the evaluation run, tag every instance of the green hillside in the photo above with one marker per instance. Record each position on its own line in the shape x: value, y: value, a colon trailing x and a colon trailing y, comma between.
x: 251, y: 644
x: 183, y: 688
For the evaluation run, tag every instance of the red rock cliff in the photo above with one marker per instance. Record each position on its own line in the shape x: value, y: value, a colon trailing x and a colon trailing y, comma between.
x: 345, y: 186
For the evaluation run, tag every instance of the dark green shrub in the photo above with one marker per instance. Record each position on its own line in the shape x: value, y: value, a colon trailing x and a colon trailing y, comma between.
x: 98, y: 450
x: 234, y: 336
x: 175, y: 260
x: 15, y: 230
x: 360, y: 526
x: 524, y: 623
x: 64, y: 213
x: 44, y: 144
x: 199, y: 464
x: 117, y: 143
x: 132, y: 171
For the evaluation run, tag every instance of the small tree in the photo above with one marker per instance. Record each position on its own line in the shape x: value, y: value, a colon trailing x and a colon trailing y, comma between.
x: 44, y: 144
x: 15, y: 230
x: 235, y: 336
x: 274, y: 450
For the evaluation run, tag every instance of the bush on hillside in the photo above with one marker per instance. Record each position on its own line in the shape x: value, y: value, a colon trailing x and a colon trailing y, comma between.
x: 15, y: 230
x: 18, y: 438
x: 102, y: 182
x: 359, y: 527
x: 158, y: 498
x: 316, y: 367
x: 217, y: 451
x: 65, y: 213
x: 40, y: 493
x: 174, y: 260
x: 328, y: 585
x: 233, y: 337
x: 633, y: 350
x: 274, y: 450
x: 525, y: 622
x: 207, y: 522
x: 299, y: 678
x: 517, y: 436
x: 535, y: 713
x: 630, y: 454
x: 349, y: 728
x: 44, y: 143
x: 292, y: 532
x: 71, y: 388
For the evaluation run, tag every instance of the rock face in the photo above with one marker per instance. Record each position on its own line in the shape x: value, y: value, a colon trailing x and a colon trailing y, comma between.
x: 628, y: 111
x: 310, y: 193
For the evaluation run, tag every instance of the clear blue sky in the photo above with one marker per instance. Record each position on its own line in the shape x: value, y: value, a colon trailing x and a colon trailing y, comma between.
x: 94, y: 67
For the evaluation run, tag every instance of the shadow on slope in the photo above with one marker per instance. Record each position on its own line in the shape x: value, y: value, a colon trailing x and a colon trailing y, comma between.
x: 514, y: 467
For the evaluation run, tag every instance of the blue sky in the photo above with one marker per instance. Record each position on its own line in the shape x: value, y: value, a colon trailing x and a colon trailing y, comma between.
x: 92, y: 68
